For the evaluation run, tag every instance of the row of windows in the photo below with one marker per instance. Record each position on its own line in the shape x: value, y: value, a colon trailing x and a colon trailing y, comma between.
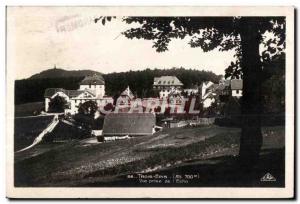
x: 168, y: 90
x: 83, y: 100
x: 164, y: 82
x: 161, y: 87
x: 95, y: 86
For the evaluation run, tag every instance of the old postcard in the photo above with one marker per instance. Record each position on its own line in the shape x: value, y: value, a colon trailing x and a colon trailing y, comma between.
x: 150, y: 102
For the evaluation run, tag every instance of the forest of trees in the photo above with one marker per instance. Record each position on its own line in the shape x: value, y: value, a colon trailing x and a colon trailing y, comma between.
x: 140, y: 82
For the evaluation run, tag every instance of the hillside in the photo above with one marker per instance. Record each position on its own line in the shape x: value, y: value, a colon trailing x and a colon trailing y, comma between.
x: 210, y: 151
x: 140, y: 82
x: 58, y: 73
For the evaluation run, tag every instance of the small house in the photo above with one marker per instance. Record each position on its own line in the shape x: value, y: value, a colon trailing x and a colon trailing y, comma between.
x: 236, y: 86
x: 125, y: 97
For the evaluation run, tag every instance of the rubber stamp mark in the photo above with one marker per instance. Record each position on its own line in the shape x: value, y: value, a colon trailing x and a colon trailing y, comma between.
x: 70, y: 23
x: 268, y: 177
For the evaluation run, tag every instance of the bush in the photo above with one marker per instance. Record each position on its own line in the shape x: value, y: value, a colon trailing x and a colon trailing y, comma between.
x: 84, y: 121
x: 57, y: 105
x: 88, y: 108
x: 229, y: 121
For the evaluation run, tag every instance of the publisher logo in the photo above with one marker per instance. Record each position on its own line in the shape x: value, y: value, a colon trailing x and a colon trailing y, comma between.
x: 268, y: 177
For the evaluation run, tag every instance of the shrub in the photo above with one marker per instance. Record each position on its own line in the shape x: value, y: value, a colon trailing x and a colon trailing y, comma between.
x: 57, y: 105
x: 88, y: 108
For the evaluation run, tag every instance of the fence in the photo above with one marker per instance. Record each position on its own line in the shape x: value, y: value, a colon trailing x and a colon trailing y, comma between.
x: 196, y: 122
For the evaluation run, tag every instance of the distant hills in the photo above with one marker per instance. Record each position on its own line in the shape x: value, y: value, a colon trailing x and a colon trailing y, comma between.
x: 140, y: 82
x: 61, y: 73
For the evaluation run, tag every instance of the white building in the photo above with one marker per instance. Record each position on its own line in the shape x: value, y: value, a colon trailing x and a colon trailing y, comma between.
x: 208, y: 93
x: 125, y: 98
x: 92, y: 88
x: 206, y: 89
x: 192, y: 90
x: 95, y: 84
x: 236, y: 87
x: 166, y: 85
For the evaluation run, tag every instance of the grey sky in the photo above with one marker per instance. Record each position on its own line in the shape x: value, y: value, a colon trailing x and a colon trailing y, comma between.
x: 68, y: 37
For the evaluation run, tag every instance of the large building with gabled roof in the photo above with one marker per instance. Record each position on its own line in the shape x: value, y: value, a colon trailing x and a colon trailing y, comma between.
x: 91, y: 88
x: 95, y: 84
x: 166, y: 85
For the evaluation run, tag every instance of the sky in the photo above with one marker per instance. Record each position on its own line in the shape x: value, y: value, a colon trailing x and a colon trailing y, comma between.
x: 39, y: 38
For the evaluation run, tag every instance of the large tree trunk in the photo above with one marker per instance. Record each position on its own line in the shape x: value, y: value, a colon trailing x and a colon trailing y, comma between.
x: 251, y: 137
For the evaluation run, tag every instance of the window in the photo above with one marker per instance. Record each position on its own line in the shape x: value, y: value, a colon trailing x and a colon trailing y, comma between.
x: 90, y: 86
x: 159, y: 82
x: 237, y: 91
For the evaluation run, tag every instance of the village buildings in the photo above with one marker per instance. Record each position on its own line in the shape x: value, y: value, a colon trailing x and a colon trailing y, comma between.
x: 171, y: 95
x: 226, y: 88
x: 132, y: 116
x: 91, y: 88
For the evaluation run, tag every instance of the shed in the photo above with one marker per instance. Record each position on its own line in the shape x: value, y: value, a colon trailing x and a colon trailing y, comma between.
x: 132, y: 124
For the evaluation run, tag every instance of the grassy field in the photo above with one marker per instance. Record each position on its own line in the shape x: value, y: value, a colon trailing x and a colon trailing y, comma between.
x: 29, y: 109
x: 88, y: 163
x: 27, y: 129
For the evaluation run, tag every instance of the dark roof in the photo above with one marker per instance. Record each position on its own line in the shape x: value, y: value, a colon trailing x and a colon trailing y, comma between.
x: 127, y: 92
x: 221, y: 87
x: 71, y: 93
x: 95, y: 80
x: 51, y: 91
x: 74, y: 93
x: 117, y: 124
x: 227, y: 82
x: 167, y: 81
x: 236, y: 84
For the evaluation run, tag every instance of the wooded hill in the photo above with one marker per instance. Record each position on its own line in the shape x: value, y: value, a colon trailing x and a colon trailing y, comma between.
x: 59, y: 73
x: 140, y: 82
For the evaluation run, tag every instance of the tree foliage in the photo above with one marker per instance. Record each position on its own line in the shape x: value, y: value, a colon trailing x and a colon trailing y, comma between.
x: 209, y: 33
x: 273, y: 87
x: 88, y: 108
x: 32, y: 90
x: 57, y: 104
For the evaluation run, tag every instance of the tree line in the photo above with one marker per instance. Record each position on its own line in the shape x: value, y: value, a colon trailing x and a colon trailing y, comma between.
x: 140, y: 82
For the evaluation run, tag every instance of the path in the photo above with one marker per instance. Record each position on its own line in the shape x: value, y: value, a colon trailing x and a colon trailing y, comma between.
x: 40, y: 137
